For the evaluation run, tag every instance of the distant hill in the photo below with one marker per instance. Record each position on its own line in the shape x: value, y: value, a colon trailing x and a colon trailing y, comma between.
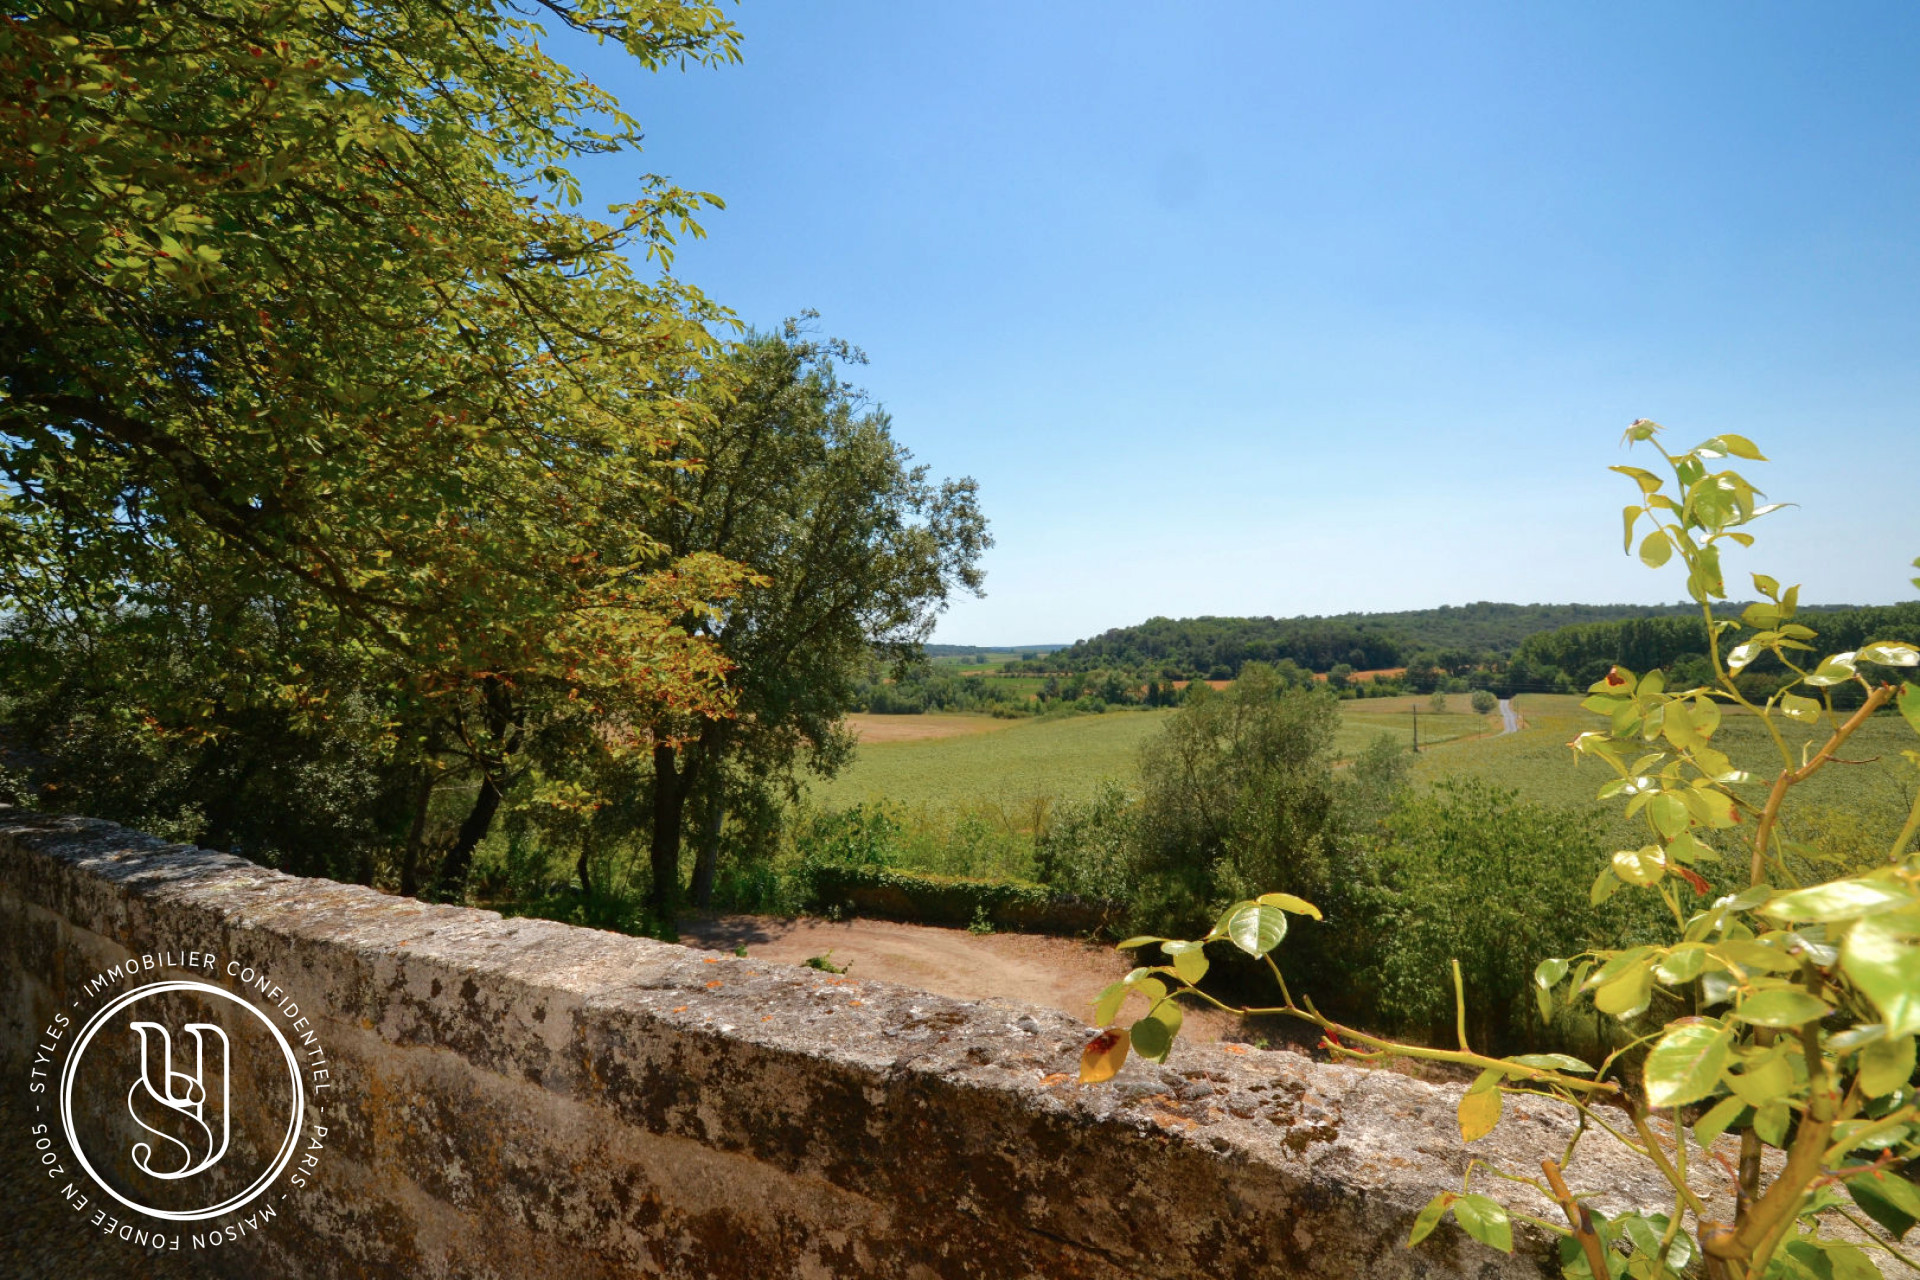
x: 1212, y: 646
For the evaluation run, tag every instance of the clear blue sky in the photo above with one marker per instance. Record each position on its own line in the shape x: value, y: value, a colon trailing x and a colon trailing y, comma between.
x: 1281, y: 309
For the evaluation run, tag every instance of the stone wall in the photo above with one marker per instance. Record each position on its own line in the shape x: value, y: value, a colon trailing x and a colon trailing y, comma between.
x: 518, y: 1098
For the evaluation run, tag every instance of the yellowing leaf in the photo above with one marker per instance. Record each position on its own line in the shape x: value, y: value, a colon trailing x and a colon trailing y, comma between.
x: 1189, y: 959
x: 1882, y: 956
x: 1668, y: 812
x: 1841, y: 900
x: 1643, y: 867
x: 1479, y: 1113
x: 1795, y: 707
x: 1430, y: 1217
x: 1764, y: 1078
x: 1485, y: 1220
x: 1781, y: 1007
x: 1256, y: 928
x: 1708, y: 1128
x: 1104, y: 1055
x: 1287, y: 902
x: 1655, y: 550
x: 1835, y: 670
x: 1626, y: 996
x: 1890, y: 654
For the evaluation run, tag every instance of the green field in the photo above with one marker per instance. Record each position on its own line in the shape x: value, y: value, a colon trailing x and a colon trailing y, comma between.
x: 977, y: 662
x: 1362, y: 721
x: 1010, y: 766
x: 1847, y: 809
x: 1064, y: 758
x: 1016, y: 761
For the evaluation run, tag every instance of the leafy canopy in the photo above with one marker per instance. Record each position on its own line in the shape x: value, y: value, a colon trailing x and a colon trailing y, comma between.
x: 296, y: 308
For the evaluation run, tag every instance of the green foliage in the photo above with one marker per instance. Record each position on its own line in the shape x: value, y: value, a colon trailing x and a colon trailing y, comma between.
x: 338, y: 303
x: 1484, y: 702
x: 1787, y: 1014
x: 1455, y: 637
x: 317, y: 392
x: 926, y: 898
x: 1088, y: 846
x: 1237, y: 791
x: 851, y: 550
x: 1586, y: 652
x: 1470, y: 872
x: 314, y: 798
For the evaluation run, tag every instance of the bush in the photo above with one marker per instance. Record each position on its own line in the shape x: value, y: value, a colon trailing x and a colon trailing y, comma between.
x: 1483, y: 701
x: 925, y: 898
x: 1474, y: 873
x: 1088, y: 847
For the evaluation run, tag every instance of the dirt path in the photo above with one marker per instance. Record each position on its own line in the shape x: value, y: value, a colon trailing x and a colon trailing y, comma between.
x: 1059, y: 973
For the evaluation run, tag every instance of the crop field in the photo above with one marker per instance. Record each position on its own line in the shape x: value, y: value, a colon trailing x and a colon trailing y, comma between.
x: 1015, y: 761
x: 978, y: 662
x: 1022, y: 686
x: 1363, y: 720
x: 966, y: 760
x: 1848, y: 810
x: 879, y: 730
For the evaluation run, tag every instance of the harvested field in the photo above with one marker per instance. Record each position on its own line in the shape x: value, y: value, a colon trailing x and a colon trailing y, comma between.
x: 921, y: 728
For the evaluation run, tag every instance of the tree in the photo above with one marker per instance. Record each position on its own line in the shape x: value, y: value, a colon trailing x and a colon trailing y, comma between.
x: 853, y: 551
x: 1238, y: 789
x: 1483, y: 701
x: 296, y: 322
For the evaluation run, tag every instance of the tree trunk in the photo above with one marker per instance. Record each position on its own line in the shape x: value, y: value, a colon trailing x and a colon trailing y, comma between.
x: 676, y: 775
x: 586, y: 847
x: 670, y: 785
x: 706, y: 863
x: 502, y: 724
x: 452, y: 881
x: 416, y: 835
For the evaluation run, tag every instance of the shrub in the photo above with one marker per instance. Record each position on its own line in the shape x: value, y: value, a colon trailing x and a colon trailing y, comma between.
x: 1484, y: 701
x: 1088, y: 848
x: 1475, y: 874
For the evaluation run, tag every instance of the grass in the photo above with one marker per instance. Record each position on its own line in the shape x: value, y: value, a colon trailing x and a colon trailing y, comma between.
x: 1363, y: 720
x: 1011, y: 762
x: 1850, y: 811
x: 972, y: 800
x: 1062, y: 759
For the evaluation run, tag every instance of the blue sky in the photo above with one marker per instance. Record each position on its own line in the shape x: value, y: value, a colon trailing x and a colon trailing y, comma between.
x: 1281, y: 309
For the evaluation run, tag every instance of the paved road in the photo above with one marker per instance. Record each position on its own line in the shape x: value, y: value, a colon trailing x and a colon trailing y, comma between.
x: 1509, y: 718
